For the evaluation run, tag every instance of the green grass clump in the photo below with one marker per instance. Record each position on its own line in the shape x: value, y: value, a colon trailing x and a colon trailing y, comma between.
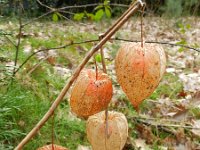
x: 15, y: 106
x: 21, y: 109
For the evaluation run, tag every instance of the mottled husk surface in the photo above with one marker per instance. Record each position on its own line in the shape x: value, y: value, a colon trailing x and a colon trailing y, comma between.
x: 117, y: 131
x: 90, y: 95
x: 49, y: 147
x: 139, y: 70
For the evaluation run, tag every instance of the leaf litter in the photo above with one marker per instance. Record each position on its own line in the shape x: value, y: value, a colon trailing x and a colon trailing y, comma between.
x: 174, y: 110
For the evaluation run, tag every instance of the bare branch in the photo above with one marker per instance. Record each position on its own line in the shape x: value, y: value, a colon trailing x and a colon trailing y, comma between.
x: 164, y: 43
x: 155, y: 122
x: 45, y: 5
x: 55, y: 104
x: 35, y: 19
x: 91, y: 5
x: 10, y: 41
x: 96, y: 40
x: 37, y: 65
x: 66, y: 12
x: 69, y: 20
x: 17, y: 47
x: 52, y: 48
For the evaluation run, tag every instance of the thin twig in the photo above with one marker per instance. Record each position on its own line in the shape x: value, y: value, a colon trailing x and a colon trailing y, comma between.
x: 51, y: 8
x: 96, y: 68
x: 164, y: 128
x: 103, y: 60
x: 66, y: 12
x: 91, y: 5
x: 18, y: 43
x: 144, y: 117
x: 157, y: 42
x: 51, y: 11
x: 69, y: 20
x: 96, y: 40
x: 52, y: 130
x: 154, y: 122
x: 53, y: 48
x: 37, y: 65
x: 73, y: 78
x: 142, y: 26
x: 10, y: 41
x: 105, y: 71
x: 102, y: 56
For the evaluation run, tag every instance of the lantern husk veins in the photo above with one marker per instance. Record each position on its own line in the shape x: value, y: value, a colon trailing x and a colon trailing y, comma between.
x: 49, y: 147
x: 90, y: 95
x: 139, y: 70
x: 117, y: 131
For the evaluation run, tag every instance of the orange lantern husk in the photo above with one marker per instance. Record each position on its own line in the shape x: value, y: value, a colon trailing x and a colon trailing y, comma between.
x: 91, y: 93
x: 117, y: 131
x: 51, y: 147
x: 139, y: 70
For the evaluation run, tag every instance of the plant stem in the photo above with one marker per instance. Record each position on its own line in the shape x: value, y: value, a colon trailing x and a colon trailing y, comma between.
x: 52, y: 131
x: 75, y: 75
x: 142, y: 27
x: 105, y: 71
x: 96, y: 68
x: 18, y: 43
x: 103, y: 61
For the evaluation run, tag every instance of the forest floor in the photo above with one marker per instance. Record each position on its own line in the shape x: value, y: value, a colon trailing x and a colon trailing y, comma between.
x: 168, y: 119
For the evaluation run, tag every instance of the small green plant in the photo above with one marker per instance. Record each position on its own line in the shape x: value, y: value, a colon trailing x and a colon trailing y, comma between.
x: 99, y: 12
x: 56, y: 16
x: 182, y: 29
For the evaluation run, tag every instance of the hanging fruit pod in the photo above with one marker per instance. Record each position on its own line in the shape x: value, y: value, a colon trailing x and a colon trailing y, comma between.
x: 139, y: 70
x: 55, y: 147
x: 117, y: 131
x: 91, y: 93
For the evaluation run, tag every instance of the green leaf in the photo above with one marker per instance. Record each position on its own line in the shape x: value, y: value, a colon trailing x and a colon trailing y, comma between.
x: 180, y: 25
x: 99, y: 7
x: 55, y: 17
x: 181, y: 49
x: 188, y: 26
x: 106, y: 2
x: 98, y: 58
x: 108, y: 12
x: 90, y: 16
x: 182, y: 42
x: 59, y: 15
x: 183, y: 30
x: 108, y: 7
x: 99, y: 14
x: 79, y: 16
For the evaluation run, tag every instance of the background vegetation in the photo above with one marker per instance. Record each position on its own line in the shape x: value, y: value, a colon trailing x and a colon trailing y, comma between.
x: 156, y: 7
